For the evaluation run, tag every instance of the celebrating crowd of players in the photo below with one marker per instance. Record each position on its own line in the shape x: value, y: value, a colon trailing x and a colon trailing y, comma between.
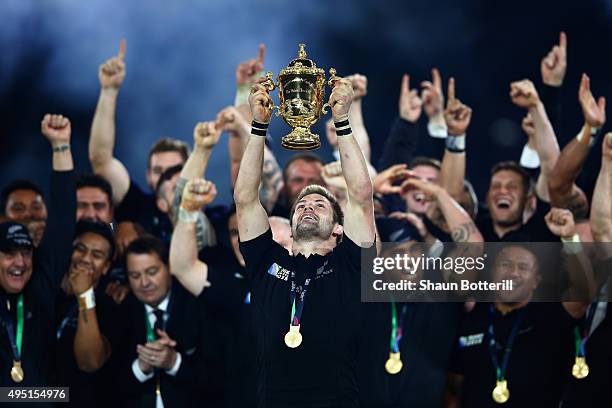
x: 159, y: 297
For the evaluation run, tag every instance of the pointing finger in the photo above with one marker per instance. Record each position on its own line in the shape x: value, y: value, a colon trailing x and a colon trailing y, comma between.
x: 437, y: 79
x: 122, y: 48
x: 405, y: 84
x: 262, y: 53
x: 563, y: 41
x: 451, y: 89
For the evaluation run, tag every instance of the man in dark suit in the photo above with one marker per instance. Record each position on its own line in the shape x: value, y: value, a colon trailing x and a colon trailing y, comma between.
x: 170, y: 341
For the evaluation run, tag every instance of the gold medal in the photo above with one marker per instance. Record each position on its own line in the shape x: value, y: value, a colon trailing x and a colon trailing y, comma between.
x: 501, y: 394
x: 17, y: 371
x: 293, y: 338
x: 580, y: 368
x: 394, y: 363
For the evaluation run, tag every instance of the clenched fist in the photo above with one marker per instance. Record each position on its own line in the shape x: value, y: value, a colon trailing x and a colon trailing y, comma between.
x: 56, y: 129
x: 230, y: 120
x: 112, y: 72
x: 360, y: 85
x: 206, y: 134
x: 81, y: 278
x: 524, y: 94
x: 340, y: 99
x: 261, y: 102
x: 560, y: 222
x: 198, y: 193
x: 457, y: 115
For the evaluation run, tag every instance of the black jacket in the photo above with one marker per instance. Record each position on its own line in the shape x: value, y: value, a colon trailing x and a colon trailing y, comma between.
x: 199, y: 380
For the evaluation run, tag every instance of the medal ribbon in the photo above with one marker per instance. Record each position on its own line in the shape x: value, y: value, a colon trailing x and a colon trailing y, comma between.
x: 71, y: 313
x: 501, y: 371
x: 581, y: 340
x: 396, y: 329
x: 16, y: 343
x: 296, y: 298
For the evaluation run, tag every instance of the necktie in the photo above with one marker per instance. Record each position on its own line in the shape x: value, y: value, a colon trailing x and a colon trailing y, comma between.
x: 159, y: 322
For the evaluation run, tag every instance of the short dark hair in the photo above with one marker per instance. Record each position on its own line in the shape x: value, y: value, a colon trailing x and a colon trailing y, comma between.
x: 148, y: 244
x: 15, y: 185
x: 316, y: 189
x: 95, y: 181
x: 424, y: 161
x: 102, y: 229
x: 167, y: 175
x: 168, y: 144
x: 308, y: 157
x: 510, y: 165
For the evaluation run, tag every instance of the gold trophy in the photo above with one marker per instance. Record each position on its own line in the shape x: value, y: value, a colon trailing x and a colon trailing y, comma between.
x: 301, y: 89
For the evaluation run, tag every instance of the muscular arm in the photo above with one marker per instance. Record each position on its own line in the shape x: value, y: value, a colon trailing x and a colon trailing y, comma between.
x: 359, y: 130
x: 91, y: 348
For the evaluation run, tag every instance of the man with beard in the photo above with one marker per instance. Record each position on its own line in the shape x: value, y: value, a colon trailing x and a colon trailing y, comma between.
x: 306, y: 304
x: 499, y: 342
x: 27, y: 298
x: 94, y: 199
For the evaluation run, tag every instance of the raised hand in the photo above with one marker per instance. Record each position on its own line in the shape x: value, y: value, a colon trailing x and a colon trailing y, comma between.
x: 248, y: 72
x: 230, y: 120
x: 198, y: 193
x: 206, y: 134
x: 554, y: 65
x: 383, y: 182
x: 524, y: 94
x: 432, y: 95
x: 594, y: 112
x: 56, y: 129
x: 360, y: 85
x: 410, y: 105
x: 260, y: 102
x: 341, y: 98
x: 112, y: 72
x: 457, y: 115
x: 529, y: 129
x: 332, y: 175
x: 560, y: 222
x: 428, y: 188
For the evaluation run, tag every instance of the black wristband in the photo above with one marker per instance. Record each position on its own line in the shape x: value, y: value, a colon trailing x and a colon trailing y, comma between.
x: 454, y: 150
x: 259, y: 132
x: 259, y: 125
x: 341, y: 124
x: 344, y: 132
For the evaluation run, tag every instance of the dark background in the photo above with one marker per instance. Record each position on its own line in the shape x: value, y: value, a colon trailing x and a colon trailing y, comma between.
x: 181, y: 58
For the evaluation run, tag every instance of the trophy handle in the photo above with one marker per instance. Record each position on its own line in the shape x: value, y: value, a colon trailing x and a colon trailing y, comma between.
x: 333, y: 78
x: 269, y: 82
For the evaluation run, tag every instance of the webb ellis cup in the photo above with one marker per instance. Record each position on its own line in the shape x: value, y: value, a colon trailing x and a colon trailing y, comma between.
x: 301, y: 89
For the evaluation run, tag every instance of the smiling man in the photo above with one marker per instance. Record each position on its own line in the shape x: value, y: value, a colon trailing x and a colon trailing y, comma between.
x: 306, y: 304
x: 509, y: 190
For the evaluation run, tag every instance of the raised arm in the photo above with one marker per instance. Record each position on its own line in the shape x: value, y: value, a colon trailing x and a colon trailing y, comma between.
x: 582, y: 287
x: 233, y: 121
x: 403, y: 138
x: 563, y: 190
x: 184, y: 262
x: 359, y: 215
x: 524, y: 95
x: 601, y: 206
x: 452, y: 169
x: 251, y: 215
x: 553, y: 68
x: 102, y: 139
x: 91, y: 348
x: 56, y: 243
x: 433, y: 105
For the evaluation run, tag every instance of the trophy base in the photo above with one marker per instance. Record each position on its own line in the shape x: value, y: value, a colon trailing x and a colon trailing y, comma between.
x: 301, y: 139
